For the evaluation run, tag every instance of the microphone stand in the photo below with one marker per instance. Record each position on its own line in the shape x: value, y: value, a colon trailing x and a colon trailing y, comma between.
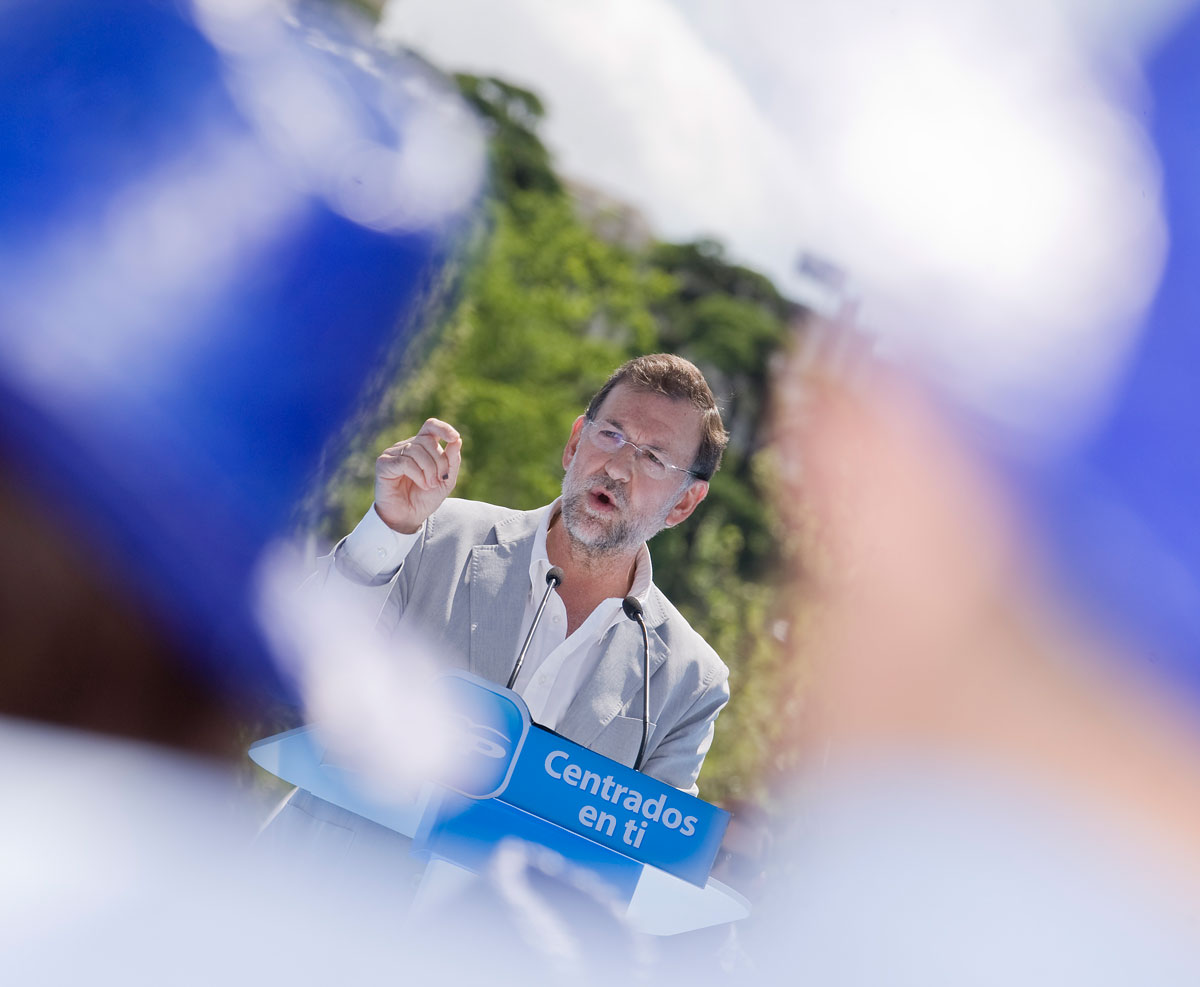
x: 633, y: 610
x: 553, y: 578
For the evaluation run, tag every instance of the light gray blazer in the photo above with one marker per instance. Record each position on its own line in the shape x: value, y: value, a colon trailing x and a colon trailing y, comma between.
x: 464, y: 586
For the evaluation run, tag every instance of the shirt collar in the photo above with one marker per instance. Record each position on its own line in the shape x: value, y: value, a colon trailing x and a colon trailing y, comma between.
x: 539, y: 561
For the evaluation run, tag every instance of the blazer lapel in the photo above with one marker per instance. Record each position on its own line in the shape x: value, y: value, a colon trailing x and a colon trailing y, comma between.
x: 616, y: 681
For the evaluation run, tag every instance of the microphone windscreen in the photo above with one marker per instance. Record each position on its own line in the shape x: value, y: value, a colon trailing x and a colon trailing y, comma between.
x: 632, y: 607
x: 555, y: 576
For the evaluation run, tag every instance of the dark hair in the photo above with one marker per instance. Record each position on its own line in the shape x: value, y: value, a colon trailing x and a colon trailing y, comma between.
x: 676, y: 378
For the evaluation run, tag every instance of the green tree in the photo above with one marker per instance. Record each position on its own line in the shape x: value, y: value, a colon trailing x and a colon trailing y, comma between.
x: 520, y: 161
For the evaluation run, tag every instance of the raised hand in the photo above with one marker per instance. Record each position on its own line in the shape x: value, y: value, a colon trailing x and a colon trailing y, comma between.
x: 414, y: 476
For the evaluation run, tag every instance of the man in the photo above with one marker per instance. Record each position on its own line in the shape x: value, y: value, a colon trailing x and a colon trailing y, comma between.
x: 470, y: 576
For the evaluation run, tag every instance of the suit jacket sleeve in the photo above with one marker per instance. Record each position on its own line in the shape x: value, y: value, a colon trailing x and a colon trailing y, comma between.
x: 358, y: 592
x: 677, y: 759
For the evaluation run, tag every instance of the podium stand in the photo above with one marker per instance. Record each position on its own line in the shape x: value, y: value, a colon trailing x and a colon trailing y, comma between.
x: 651, y: 844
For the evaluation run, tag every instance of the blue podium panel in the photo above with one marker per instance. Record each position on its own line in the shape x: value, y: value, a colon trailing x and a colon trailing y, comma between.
x: 502, y: 756
x: 490, y: 728
x: 508, y: 777
x: 615, y: 806
x: 299, y: 757
x: 465, y: 831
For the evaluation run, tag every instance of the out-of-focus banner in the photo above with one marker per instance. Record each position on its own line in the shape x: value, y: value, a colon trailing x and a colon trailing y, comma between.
x: 220, y: 226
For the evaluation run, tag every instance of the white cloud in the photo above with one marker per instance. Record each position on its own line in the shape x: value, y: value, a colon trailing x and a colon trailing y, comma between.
x: 638, y: 105
x: 978, y: 165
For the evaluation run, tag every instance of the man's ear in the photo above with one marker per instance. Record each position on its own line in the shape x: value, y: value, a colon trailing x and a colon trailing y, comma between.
x: 697, y: 490
x: 573, y: 441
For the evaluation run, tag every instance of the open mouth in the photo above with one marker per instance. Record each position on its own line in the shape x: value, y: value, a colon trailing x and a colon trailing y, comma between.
x: 602, y: 500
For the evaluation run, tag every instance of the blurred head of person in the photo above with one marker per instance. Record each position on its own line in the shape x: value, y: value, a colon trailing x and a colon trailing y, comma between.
x: 220, y: 226
x: 1001, y: 730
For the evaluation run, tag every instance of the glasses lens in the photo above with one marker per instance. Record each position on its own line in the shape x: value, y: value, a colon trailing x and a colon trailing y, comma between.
x: 610, y: 440
x: 651, y: 465
x: 605, y: 438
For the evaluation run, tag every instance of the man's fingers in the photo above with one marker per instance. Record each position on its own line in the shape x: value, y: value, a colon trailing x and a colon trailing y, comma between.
x: 407, y: 460
x: 423, y: 458
x: 444, y: 459
x: 453, y: 456
x: 447, y: 470
x: 427, y: 462
x: 390, y: 463
x: 439, y: 430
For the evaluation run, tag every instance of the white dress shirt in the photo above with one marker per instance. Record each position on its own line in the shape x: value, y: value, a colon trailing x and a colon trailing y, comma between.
x: 555, y: 665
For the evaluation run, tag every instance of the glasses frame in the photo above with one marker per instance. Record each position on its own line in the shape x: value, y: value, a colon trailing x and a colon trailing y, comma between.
x: 639, y: 451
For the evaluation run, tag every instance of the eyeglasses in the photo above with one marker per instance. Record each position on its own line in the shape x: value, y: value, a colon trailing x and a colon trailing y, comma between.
x: 608, y: 439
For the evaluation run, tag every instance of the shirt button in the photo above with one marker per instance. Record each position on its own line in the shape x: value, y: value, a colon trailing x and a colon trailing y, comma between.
x: 381, y: 552
x: 557, y: 619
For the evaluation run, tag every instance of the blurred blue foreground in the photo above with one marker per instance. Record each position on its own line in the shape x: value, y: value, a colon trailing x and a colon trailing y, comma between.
x: 220, y: 227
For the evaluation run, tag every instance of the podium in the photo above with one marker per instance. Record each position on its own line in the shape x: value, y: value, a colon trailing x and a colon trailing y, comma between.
x: 652, y: 845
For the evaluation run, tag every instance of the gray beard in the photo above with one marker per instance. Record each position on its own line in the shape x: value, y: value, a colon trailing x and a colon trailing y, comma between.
x: 597, y: 536
x: 585, y: 529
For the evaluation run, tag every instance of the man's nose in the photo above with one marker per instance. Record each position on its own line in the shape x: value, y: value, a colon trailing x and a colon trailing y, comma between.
x: 620, y: 464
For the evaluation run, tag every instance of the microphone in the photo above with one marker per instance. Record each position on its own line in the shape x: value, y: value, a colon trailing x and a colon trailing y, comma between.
x: 633, y: 610
x: 553, y: 578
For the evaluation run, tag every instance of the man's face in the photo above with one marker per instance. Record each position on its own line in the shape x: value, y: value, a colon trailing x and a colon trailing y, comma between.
x: 609, y: 504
